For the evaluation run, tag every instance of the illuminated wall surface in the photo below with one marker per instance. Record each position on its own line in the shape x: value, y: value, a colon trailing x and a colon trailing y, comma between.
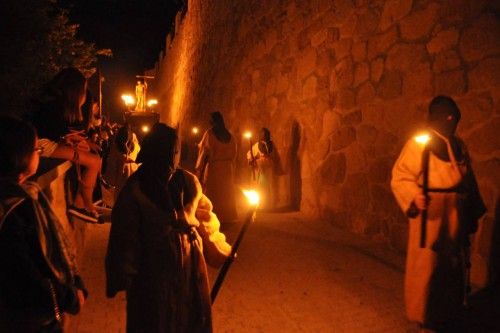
x: 355, y: 79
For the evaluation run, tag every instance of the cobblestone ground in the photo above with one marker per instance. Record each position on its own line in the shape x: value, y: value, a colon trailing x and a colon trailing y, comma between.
x: 291, y: 275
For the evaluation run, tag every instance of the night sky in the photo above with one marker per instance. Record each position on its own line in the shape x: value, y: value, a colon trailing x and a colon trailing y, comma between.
x: 134, y: 30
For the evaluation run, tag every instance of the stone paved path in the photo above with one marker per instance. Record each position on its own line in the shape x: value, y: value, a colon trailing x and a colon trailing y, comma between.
x: 291, y: 275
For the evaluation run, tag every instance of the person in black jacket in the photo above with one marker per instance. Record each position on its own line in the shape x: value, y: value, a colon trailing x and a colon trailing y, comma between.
x: 38, y: 274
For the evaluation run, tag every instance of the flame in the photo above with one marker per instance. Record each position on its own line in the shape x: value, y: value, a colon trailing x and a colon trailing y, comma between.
x: 145, y: 128
x: 423, y: 138
x: 152, y: 102
x: 247, y: 135
x: 252, y: 196
x: 128, y: 99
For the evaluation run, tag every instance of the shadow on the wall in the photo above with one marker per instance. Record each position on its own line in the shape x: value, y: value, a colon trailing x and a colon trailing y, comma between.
x: 294, y: 163
x: 483, y: 314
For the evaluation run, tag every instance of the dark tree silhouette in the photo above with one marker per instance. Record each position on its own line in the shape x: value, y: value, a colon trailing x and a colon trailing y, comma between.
x: 36, y: 41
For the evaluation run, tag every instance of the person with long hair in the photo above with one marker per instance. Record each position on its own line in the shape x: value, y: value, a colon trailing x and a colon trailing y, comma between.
x: 215, y: 167
x: 39, y: 280
x: 162, y: 231
x: 435, y: 187
x: 58, y: 117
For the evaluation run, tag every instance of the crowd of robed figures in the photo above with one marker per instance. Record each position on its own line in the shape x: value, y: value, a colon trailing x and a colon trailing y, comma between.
x: 165, y: 220
x: 163, y: 229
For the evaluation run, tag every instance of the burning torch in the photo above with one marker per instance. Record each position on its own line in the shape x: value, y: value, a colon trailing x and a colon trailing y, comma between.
x: 253, y: 199
x: 424, y: 139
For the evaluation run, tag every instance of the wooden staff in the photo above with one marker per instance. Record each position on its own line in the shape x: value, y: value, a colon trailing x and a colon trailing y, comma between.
x: 227, y: 264
x: 425, y: 192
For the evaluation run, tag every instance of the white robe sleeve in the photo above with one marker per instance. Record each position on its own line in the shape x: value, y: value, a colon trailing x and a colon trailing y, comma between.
x: 406, y: 173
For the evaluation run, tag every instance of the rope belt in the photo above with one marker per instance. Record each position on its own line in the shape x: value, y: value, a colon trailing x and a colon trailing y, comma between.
x: 455, y: 189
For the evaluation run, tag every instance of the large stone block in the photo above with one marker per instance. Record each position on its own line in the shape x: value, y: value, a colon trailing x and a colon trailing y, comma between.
x: 309, y: 88
x: 380, y: 44
x: 418, y: 83
x: 333, y: 35
x: 329, y: 200
x: 368, y: 21
x: 366, y: 134
x: 339, y: 12
x: 480, y: 40
x: 366, y: 94
x: 344, y: 100
x: 344, y: 74
x: 393, y: 11
x: 402, y: 116
x: 333, y: 170
x: 306, y: 63
x: 272, y: 105
x: 450, y: 83
x: 282, y: 83
x: 485, y: 75
x: 446, y: 61
x: 361, y: 73
x: 485, y: 140
x: 444, y: 40
x: 419, y: 23
x: 342, y: 48
x: 330, y: 122
x: 324, y: 62
x: 359, y: 50
x: 376, y: 69
x: 390, y: 85
x: 352, y: 118
x: 270, y: 87
x: 319, y: 37
x: 348, y: 28
x: 355, y: 196
x: 294, y: 93
x: 405, y: 57
x: 342, y: 137
x: 373, y: 114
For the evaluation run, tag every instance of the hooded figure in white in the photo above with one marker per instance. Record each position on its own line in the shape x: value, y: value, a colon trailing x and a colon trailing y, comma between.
x: 434, y: 280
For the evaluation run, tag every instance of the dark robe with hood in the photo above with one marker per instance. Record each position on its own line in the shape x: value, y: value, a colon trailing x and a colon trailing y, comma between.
x: 159, y: 239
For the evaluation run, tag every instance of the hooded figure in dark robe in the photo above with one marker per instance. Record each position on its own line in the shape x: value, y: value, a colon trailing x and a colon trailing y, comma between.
x: 163, y: 229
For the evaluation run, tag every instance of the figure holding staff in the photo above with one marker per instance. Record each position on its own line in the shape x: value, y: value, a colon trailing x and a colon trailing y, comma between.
x: 443, y: 211
x: 163, y: 233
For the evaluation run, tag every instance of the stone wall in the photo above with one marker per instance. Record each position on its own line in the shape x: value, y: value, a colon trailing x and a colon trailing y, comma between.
x: 342, y: 84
